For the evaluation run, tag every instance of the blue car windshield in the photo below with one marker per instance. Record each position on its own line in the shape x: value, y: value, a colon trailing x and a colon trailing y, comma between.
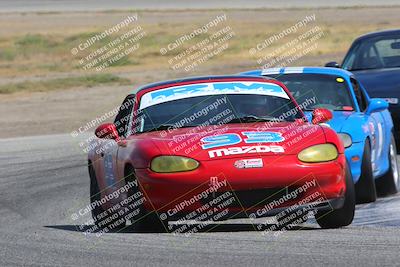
x: 374, y: 53
x: 313, y: 91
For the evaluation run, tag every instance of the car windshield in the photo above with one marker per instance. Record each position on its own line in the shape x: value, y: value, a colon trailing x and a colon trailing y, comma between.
x: 318, y: 90
x: 231, y: 103
x: 374, y: 53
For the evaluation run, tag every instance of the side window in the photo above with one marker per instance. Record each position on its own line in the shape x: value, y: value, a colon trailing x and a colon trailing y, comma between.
x: 349, y: 61
x: 361, y: 100
x: 122, y: 119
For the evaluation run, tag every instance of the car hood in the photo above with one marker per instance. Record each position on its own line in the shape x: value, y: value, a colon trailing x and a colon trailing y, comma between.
x: 338, y: 121
x: 187, y: 141
x: 383, y: 83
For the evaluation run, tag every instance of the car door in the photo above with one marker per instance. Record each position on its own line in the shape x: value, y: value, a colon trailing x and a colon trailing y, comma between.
x: 123, y: 123
x: 375, y: 124
x: 108, y: 149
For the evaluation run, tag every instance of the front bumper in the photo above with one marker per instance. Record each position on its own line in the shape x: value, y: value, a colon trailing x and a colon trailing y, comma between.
x: 326, y: 205
x: 282, y: 182
x: 354, y: 155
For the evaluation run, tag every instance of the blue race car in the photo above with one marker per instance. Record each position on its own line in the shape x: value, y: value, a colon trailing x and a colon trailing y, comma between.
x: 374, y: 58
x: 364, y: 124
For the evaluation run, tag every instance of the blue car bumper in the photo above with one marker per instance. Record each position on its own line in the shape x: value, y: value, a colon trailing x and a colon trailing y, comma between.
x: 354, y: 155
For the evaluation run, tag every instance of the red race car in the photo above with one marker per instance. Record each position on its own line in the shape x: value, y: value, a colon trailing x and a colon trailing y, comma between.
x: 214, y: 148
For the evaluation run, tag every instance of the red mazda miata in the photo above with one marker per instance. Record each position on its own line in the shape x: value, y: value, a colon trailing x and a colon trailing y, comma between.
x: 214, y: 148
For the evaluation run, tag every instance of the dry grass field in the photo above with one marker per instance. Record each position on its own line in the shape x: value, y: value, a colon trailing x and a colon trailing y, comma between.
x: 44, y: 89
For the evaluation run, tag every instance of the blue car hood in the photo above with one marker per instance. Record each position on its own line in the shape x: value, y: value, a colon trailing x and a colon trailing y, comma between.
x: 338, y: 120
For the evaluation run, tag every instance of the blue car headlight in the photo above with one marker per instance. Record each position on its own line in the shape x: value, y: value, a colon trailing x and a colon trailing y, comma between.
x: 346, y: 139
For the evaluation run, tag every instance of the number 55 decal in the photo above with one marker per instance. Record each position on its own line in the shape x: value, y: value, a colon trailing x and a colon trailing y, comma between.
x: 232, y: 139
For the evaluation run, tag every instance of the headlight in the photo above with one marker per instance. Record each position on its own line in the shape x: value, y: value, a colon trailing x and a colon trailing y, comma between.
x: 318, y: 153
x: 173, y: 164
x: 346, y: 139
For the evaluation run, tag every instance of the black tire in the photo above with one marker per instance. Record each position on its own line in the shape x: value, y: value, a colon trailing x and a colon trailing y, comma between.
x: 365, y: 187
x: 150, y: 223
x: 98, y: 212
x: 343, y: 216
x: 144, y: 221
x: 94, y: 195
x: 397, y: 140
x: 390, y: 182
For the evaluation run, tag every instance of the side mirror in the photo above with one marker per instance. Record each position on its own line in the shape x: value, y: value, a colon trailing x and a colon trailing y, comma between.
x: 376, y: 105
x: 107, y: 131
x: 332, y: 64
x: 321, y: 115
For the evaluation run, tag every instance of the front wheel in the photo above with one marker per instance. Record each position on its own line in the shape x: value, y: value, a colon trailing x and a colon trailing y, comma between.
x: 99, y: 215
x: 365, y: 187
x: 343, y: 216
x: 390, y: 183
x: 143, y: 220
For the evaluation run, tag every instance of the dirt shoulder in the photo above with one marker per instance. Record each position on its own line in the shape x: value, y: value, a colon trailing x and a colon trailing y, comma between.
x: 36, y: 48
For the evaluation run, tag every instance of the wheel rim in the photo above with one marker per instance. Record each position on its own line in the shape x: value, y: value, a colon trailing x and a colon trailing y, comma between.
x: 393, y: 162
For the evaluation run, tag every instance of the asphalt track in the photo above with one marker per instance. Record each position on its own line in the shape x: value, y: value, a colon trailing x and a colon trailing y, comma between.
x: 43, y: 181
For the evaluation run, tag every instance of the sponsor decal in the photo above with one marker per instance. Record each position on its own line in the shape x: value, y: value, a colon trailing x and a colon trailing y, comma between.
x: 213, y: 181
x: 245, y: 150
x: 248, y: 163
x: 233, y: 139
x: 108, y: 169
x: 207, y: 89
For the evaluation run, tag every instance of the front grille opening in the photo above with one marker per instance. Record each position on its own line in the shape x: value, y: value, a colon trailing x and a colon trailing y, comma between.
x: 257, y: 197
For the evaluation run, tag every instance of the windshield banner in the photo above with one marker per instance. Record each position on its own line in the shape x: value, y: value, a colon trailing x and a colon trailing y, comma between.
x: 204, y: 89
